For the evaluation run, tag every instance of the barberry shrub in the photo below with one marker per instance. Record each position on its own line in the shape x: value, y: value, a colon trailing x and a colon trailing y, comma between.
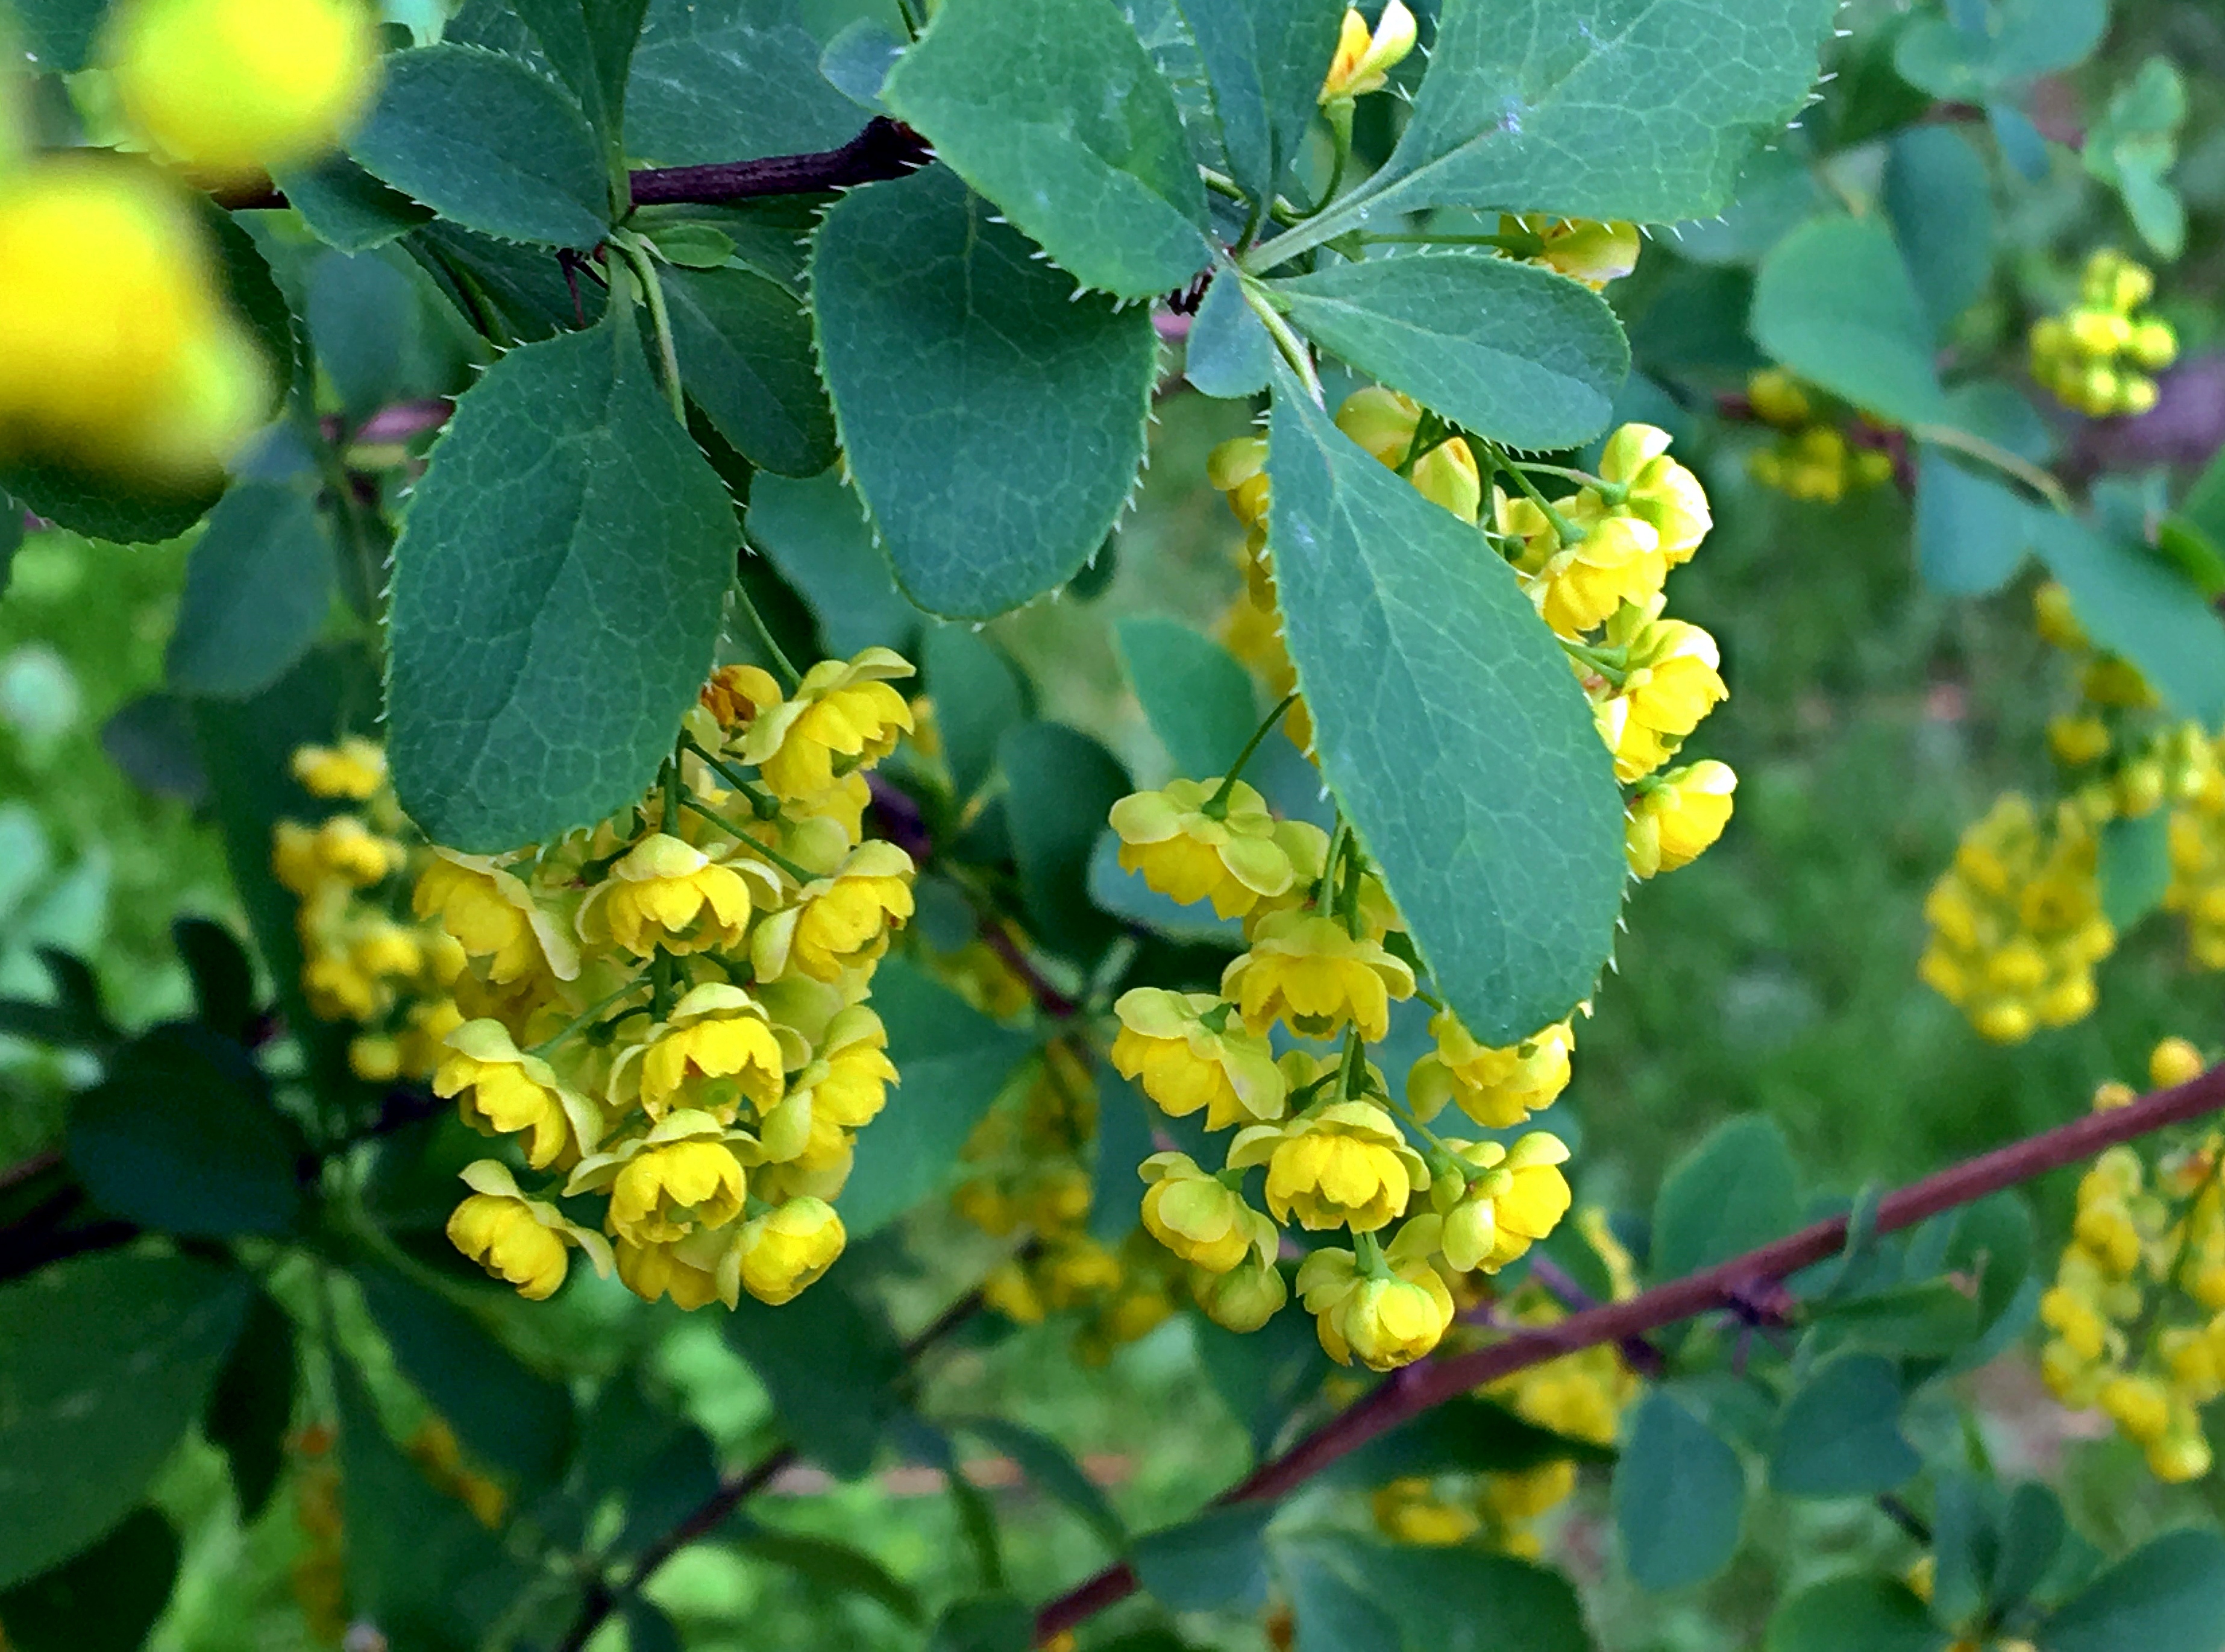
x: 603, y: 429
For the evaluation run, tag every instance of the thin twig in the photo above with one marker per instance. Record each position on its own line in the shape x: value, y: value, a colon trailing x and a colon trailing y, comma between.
x: 1432, y: 1382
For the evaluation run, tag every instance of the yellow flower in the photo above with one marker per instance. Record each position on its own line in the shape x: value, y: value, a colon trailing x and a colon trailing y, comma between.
x: 1494, y: 1087
x: 1307, y: 971
x: 840, y: 922
x: 701, y: 1269
x: 524, y: 1241
x: 234, y: 86
x: 787, y: 1250
x: 1674, y: 821
x: 1199, y: 1218
x: 1363, y: 61
x: 1387, y: 1322
x: 1342, y: 1165
x: 665, y: 893
x: 1234, y: 859
x: 116, y: 351
x: 502, y: 1092
x: 1576, y: 587
x: 2174, y: 1062
x: 2139, y: 1404
x: 681, y: 1176
x: 1243, y: 1299
x: 1669, y: 686
x: 1238, y: 467
x: 841, y: 710
x: 799, y: 1132
x: 1384, y: 421
x: 1408, y: 1511
x: 1662, y: 492
x: 354, y: 770
x: 1166, y: 1045
x: 1580, y: 248
x: 849, y: 1080
x: 1494, y: 1216
x: 716, y: 1051
x: 1777, y: 398
x: 491, y: 914
x: 344, y: 846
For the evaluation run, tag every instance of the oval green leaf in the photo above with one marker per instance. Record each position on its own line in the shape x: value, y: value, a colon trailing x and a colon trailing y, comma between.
x: 1679, y: 1496
x: 1834, y: 303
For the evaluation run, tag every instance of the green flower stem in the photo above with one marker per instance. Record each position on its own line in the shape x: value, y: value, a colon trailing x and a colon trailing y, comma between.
x: 668, y: 779
x: 1567, y: 531
x: 1216, y: 806
x: 789, y: 676
x: 2039, y: 481
x: 755, y: 848
x: 1431, y: 432
x: 1292, y: 347
x: 578, y: 1023
x: 762, y: 804
x: 1612, y: 664
x: 1326, y: 894
x: 1367, y: 1256
x: 1351, y: 1065
x: 1612, y: 493
x: 635, y: 252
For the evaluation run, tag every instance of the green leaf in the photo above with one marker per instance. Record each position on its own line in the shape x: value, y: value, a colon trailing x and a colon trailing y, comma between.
x: 345, y: 207
x: 104, y: 1600
x: 2032, y: 1531
x: 994, y: 424
x: 1126, y: 895
x: 1332, y: 1606
x: 1265, y: 1376
x: 814, y: 531
x: 57, y: 34
x: 978, y: 696
x: 1777, y: 191
x: 828, y: 1565
x: 506, y: 291
x: 2135, y: 866
x: 1227, y: 353
x: 248, y: 282
x: 1736, y: 1190
x: 222, y: 973
x: 1466, y: 1435
x: 1070, y: 784
x: 1051, y: 1468
x: 1971, y: 532
x: 858, y: 59
x: 1679, y: 1496
x: 251, y: 1411
x: 1214, y: 1562
x: 105, y: 1361
x: 985, y: 1624
x: 693, y: 246
x: 1940, y: 203
x: 1929, y: 1318
x: 1836, y: 304
x: 1839, y: 1434
x: 482, y: 139
x: 1599, y: 109
x: 1197, y: 695
x: 567, y: 536
x: 744, y: 347
x: 182, y: 1136
x: 952, y: 1060
x: 508, y: 1417
x: 2167, y: 1596
x: 730, y: 81
x: 1054, y: 111
x: 1448, y: 724
x: 590, y: 43
x: 11, y: 538
x: 2134, y: 145
x: 1263, y: 60
x: 1125, y: 1121
x: 419, y: 1563
x: 648, y: 1630
x: 362, y: 313
x: 2204, y: 504
x: 1464, y: 1600
x: 1512, y: 351
x: 107, y: 507
x: 832, y: 1364
x: 2134, y: 603
x: 258, y: 586
x: 1856, y: 1614
x: 2022, y: 40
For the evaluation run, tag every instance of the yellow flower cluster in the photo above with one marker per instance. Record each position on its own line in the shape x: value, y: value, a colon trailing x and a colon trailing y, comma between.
x: 119, y: 351
x: 2138, y: 1307
x: 2096, y: 356
x: 230, y: 88
x: 2016, y: 926
x: 1810, y: 457
x: 671, y: 1008
x: 1325, y: 962
x: 364, y: 958
x: 1029, y: 1173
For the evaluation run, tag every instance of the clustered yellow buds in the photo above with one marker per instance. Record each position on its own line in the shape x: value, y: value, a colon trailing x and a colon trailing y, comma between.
x: 2017, y: 926
x: 1579, y: 248
x: 119, y: 351
x: 229, y: 88
x: 2097, y: 357
x: 1810, y: 457
x: 1029, y: 1169
x: 670, y: 1008
x: 2136, y: 1311
x: 1365, y: 58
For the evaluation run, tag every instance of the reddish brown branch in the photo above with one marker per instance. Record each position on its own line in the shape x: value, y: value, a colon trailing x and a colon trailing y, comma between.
x: 1432, y: 1382
x: 886, y: 148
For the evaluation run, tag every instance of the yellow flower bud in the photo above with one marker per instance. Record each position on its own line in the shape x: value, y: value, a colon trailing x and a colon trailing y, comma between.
x: 521, y: 1241
x: 1199, y: 1218
x: 354, y: 770
x: 840, y: 922
x: 788, y: 1249
x: 493, y: 915
x: 842, y: 708
x: 1494, y: 1087
x: 1777, y: 398
x: 1672, y: 822
x: 1363, y: 61
x: 2173, y: 1062
x: 1244, y: 1298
